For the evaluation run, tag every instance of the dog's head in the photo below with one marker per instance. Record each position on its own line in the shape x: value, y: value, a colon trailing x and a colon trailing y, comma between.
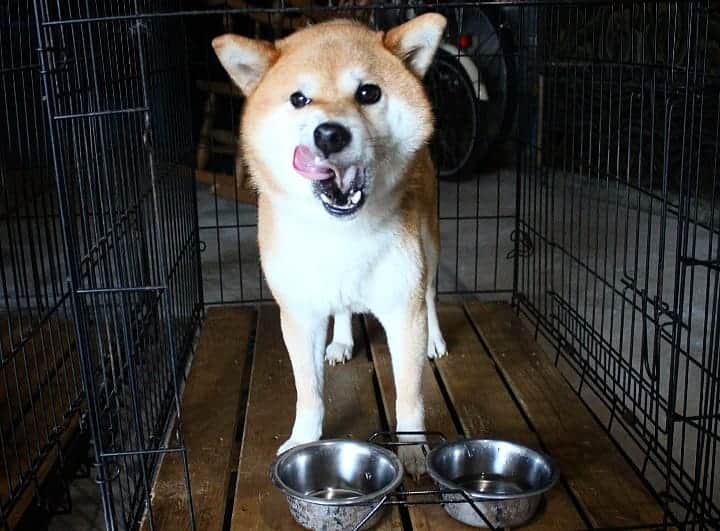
x: 335, y: 112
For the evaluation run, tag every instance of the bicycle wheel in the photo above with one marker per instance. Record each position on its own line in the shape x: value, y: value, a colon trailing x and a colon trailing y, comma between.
x: 492, y: 52
x: 455, y: 104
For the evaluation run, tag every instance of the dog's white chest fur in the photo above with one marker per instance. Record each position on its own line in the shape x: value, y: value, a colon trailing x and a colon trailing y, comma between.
x: 330, y: 267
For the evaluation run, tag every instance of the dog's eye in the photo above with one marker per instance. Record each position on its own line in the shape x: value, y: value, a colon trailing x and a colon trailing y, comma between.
x: 367, y: 94
x: 298, y: 99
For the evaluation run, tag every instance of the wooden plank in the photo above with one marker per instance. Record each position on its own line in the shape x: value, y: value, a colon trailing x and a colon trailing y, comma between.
x: 224, y: 185
x: 282, y: 21
x: 312, y: 13
x: 603, y: 481
x: 219, y: 87
x: 486, y: 409
x: 318, y: 14
x: 210, y: 414
x: 437, y: 418
x: 351, y: 409
x: 28, y: 412
x: 225, y: 137
x: 47, y: 464
x: 351, y: 404
x: 221, y: 149
x: 37, y: 365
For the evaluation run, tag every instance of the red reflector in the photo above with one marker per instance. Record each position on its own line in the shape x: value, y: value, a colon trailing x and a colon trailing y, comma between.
x: 464, y: 42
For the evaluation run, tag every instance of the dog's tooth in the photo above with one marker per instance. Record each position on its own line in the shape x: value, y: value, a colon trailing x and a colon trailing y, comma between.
x: 325, y: 198
x: 355, y: 198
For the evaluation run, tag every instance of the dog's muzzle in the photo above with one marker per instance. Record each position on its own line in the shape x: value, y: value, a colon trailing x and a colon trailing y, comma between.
x: 341, y: 190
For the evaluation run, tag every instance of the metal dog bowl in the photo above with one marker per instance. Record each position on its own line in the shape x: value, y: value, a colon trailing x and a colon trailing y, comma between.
x: 505, y: 480
x: 332, y: 485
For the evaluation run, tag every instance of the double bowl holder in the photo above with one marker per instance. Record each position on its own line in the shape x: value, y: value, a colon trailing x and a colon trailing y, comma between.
x: 492, y: 509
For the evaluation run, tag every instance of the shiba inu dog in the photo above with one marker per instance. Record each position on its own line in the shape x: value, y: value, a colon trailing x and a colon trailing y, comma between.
x: 334, y: 134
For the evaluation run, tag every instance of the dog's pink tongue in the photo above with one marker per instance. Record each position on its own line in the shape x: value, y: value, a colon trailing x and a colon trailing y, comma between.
x: 304, y: 163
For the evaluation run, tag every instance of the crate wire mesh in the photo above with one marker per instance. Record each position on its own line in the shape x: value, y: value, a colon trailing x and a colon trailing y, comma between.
x: 40, y: 381
x: 131, y: 225
x: 601, y: 222
x: 620, y: 199
x: 100, y: 271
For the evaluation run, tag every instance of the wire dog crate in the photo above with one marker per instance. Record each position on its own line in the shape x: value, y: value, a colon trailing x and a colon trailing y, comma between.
x: 40, y: 389
x: 100, y: 275
x: 620, y: 198
x: 587, y: 193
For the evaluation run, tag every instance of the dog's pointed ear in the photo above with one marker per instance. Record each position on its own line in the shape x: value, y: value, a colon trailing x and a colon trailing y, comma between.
x: 246, y: 60
x: 416, y: 41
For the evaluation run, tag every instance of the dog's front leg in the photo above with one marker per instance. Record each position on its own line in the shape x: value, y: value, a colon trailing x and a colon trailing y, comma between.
x: 407, y: 333
x: 304, y: 337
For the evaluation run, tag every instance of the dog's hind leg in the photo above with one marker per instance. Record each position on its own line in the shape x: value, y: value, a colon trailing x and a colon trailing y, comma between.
x: 436, y: 344
x: 340, y: 349
x: 305, y: 340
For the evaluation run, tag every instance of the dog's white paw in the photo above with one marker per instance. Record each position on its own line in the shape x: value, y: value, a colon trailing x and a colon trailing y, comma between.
x: 289, y: 444
x: 338, y: 353
x: 413, y: 459
x: 436, y: 347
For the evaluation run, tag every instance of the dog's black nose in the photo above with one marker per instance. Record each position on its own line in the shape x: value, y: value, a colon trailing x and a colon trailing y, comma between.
x: 331, y: 137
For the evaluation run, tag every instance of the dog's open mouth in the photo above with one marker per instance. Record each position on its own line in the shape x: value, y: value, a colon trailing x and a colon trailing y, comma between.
x: 341, y: 190
x: 346, y: 200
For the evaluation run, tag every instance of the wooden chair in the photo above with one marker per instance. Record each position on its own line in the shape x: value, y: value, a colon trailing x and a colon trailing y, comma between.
x: 215, y: 141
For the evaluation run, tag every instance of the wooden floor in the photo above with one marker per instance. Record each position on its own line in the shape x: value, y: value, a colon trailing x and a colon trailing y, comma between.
x: 35, y: 388
x: 239, y: 402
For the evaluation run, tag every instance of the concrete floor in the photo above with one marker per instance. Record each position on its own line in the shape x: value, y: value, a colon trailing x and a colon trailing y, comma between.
x: 87, y: 512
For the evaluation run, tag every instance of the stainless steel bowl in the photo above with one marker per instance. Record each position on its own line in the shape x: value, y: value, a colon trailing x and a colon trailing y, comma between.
x: 505, y: 480
x: 332, y: 485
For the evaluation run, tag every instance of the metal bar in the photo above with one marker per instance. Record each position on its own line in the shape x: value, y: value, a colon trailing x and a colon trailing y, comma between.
x: 95, y: 114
